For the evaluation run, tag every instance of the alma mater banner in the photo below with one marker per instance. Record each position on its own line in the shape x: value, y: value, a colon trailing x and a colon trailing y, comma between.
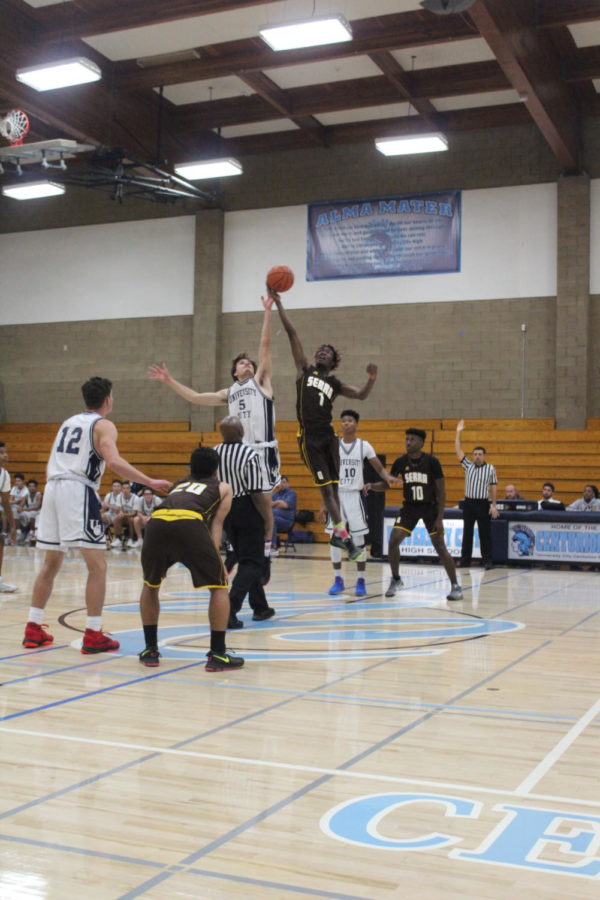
x: 408, y: 234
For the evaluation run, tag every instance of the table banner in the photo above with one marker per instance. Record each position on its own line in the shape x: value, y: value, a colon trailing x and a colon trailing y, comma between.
x: 412, y: 234
x: 419, y: 543
x: 556, y: 541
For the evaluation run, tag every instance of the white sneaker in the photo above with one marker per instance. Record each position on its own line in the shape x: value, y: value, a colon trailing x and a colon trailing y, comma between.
x: 6, y: 588
x: 456, y: 593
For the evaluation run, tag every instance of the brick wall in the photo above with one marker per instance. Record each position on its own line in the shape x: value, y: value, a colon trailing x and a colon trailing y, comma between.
x: 41, y: 379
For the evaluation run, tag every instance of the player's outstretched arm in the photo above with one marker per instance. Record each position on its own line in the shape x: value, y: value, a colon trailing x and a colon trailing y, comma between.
x: 347, y: 390
x: 297, y: 348
x: 159, y: 372
x: 105, y: 442
x: 457, y: 446
x: 383, y: 473
x: 216, y: 526
x: 264, y: 371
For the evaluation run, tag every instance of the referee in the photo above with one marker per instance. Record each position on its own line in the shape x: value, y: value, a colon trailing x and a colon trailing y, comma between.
x: 239, y: 466
x: 480, y: 489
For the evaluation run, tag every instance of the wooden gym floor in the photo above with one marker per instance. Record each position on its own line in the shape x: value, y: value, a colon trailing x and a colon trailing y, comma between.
x: 369, y: 750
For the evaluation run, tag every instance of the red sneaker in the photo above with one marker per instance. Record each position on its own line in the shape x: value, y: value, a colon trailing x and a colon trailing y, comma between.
x: 98, y: 642
x: 35, y: 636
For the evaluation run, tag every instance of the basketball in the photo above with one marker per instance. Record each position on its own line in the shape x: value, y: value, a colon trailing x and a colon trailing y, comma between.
x: 280, y: 278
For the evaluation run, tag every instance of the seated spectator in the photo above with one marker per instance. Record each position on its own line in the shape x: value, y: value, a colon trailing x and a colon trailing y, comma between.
x: 110, y: 506
x: 589, y: 502
x: 284, y: 508
x: 510, y: 493
x: 149, y: 502
x: 548, y: 494
x: 128, y: 517
x: 30, y: 511
x: 18, y: 494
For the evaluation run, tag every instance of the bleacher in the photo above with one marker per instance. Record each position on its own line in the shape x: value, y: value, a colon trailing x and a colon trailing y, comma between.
x: 526, y: 452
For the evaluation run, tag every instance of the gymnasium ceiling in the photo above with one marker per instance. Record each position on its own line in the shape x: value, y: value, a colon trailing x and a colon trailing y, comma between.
x: 224, y: 92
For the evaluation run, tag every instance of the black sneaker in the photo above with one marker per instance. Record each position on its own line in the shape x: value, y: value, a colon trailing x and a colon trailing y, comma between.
x: 265, y: 576
x: 234, y: 622
x: 263, y: 614
x: 150, y: 657
x: 218, y: 662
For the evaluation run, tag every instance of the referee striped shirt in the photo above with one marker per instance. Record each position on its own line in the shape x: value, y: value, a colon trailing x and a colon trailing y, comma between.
x: 239, y: 466
x: 478, y: 479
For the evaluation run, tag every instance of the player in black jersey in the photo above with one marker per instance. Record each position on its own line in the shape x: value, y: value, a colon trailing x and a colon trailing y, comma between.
x: 178, y: 531
x: 316, y: 390
x: 424, y: 498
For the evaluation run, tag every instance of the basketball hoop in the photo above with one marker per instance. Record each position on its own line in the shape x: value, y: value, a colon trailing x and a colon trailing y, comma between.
x: 14, y: 126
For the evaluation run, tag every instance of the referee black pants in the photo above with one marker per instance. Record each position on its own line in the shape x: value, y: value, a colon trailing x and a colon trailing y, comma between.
x: 246, y: 531
x: 476, y: 511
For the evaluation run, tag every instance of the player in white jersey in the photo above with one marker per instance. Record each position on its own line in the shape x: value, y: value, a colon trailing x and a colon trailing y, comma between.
x: 250, y: 399
x: 5, y: 587
x: 70, y: 515
x: 353, y: 452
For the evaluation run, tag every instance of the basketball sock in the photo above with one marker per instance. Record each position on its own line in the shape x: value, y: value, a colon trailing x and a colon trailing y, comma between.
x: 151, y: 635
x: 341, y: 529
x: 94, y: 623
x: 268, y: 545
x: 217, y: 642
x: 335, y: 553
x: 36, y: 615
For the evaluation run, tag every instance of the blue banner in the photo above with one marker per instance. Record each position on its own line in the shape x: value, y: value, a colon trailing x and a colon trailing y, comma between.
x: 410, y: 234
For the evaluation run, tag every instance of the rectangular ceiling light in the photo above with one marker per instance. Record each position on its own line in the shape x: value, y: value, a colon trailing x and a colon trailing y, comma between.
x: 414, y: 143
x: 33, y: 189
x: 306, y: 33
x: 60, y: 74
x: 209, y: 168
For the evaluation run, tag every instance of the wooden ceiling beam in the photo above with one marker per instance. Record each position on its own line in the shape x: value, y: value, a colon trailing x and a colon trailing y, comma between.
x: 532, y: 67
x: 512, y: 114
x: 584, y: 65
x: 73, y: 20
x: 403, y: 83
x: 280, y: 101
x: 412, y: 29
x: 355, y: 93
x: 555, y: 13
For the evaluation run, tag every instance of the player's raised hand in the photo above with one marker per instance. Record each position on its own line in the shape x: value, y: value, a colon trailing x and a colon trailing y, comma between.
x: 269, y: 300
x: 372, y: 371
x: 460, y: 425
x: 159, y: 372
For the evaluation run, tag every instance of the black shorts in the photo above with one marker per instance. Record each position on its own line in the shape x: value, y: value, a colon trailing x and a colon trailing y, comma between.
x: 321, y: 453
x: 412, y: 512
x: 187, y: 541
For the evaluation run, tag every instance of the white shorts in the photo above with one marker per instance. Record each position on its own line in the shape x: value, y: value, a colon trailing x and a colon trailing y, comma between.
x: 269, y: 468
x: 70, y: 517
x: 27, y: 516
x: 352, y: 508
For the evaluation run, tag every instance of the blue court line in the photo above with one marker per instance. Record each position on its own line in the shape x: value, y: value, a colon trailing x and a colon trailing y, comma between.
x: 104, y: 690
x: 308, y: 788
x: 218, y: 728
x: 52, y: 671
x: 290, y: 888
x: 98, y: 854
x: 31, y: 653
x: 316, y: 783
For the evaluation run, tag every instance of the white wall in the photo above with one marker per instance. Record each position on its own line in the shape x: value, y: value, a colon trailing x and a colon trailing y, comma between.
x: 123, y: 270
x: 508, y: 250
